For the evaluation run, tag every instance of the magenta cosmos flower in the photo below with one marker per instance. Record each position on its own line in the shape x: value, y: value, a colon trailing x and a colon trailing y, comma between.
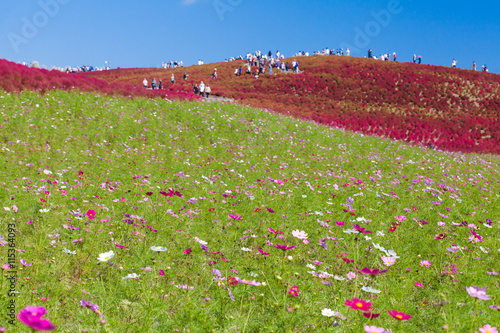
x: 263, y: 252
x: 275, y: 231
x: 251, y: 283
x: 372, y: 271
x: 91, y: 214
x: 399, y: 315
x: 284, y: 247
x: 187, y: 251
x: 359, y: 304
x: 31, y: 316
x: 478, y: 293
x: 362, y: 230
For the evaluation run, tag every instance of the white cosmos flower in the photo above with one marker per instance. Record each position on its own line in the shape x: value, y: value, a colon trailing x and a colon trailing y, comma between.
x: 246, y: 249
x: 483, y: 249
x: 106, y: 256
x: 46, y: 210
x: 380, y: 233
x: 370, y: 290
x: 311, y: 266
x: 327, y: 313
x: 158, y: 248
x: 487, y: 226
x: 351, y: 231
x: 392, y: 253
x: 339, y: 278
x: 47, y: 172
x: 68, y: 251
x: 299, y: 234
x: 368, y: 238
x: 131, y: 276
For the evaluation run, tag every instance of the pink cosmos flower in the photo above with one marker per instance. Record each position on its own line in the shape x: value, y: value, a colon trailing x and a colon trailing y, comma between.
x: 351, y: 275
x: 388, y: 261
x: 31, y: 316
x: 121, y: 246
x: 284, y: 247
x: 24, y: 263
x: 478, y: 293
x: 362, y: 230
x: 263, y: 252
x: 162, y: 272
x: 400, y: 218
x: 372, y: 272
x: 359, y: 304
x: 91, y: 214
x: 399, y: 315
x: 488, y: 329
x: 370, y: 315
x: 294, y: 291
x: 187, y: 251
x: 275, y: 231
x: 245, y: 281
x: 425, y: 263
x: 374, y: 329
x: 234, y: 216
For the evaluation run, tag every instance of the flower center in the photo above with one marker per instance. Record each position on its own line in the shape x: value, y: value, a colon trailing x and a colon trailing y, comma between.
x: 106, y: 258
x: 359, y: 305
x: 399, y: 316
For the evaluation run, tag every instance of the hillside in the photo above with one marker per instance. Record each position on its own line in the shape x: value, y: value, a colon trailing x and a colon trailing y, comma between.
x: 209, y: 217
x: 15, y: 77
x: 453, y: 109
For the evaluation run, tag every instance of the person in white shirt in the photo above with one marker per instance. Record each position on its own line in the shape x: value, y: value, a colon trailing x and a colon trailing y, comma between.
x: 145, y: 83
x: 348, y: 52
x: 454, y: 63
x: 202, y: 89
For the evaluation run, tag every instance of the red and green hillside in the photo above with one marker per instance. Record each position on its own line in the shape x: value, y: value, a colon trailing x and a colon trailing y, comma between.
x: 453, y: 109
x: 15, y: 77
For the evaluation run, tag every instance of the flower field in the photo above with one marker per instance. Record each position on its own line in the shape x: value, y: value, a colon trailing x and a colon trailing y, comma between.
x: 456, y: 110
x: 150, y: 215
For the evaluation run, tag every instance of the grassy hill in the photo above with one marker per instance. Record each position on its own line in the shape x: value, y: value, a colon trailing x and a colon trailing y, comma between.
x: 173, y: 216
x: 453, y: 109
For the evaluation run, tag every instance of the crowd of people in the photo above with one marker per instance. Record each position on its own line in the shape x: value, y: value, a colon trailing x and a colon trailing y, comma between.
x: 172, y: 64
x: 202, y: 90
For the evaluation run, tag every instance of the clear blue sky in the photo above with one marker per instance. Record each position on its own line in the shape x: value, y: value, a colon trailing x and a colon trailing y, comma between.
x: 144, y: 33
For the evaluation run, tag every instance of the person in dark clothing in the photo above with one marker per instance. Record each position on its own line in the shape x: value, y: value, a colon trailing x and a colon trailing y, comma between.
x: 287, y: 66
x: 185, y: 76
x: 370, y: 53
x: 195, y: 89
x: 160, y: 85
x: 239, y: 71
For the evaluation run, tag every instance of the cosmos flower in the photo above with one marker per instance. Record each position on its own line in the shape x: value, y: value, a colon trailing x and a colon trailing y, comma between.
x: 294, y: 291
x: 68, y: 251
x: 246, y: 281
x: 187, y: 251
x: 158, y: 248
x: 24, y: 263
x: 131, y: 276
x: 106, y: 256
x: 299, y: 234
x: 478, y: 293
x: 399, y: 315
x: 374, y: 329
x: 370, y: 315
x: 284, y: 247
x: 91, y: 214
x: 263, y: 252
x: 362, y: 230
x: 388, y: 261
x: 372, y: 271
x: 359, y: 304
x: 488, y: 329
x: 425, y: 263
x: 327, y: 312
x: 371, y: 290
x: 31, y: 316
x: 275, y: 231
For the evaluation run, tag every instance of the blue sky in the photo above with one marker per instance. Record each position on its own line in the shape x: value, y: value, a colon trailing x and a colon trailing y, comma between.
x: 145, y: 33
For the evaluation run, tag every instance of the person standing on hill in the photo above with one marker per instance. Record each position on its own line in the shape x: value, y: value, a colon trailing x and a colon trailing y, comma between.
x: 419, y: 59
x: 347, y: 52
x: 454, y: 63
x: 172, y: 78
x: 202, y: 89
x: 474, y: 66
x: 208, y: 90
x: 145, y: 83
x: 195, y: 89
x: 369, y: 53
x: 239, y: 71
x: 153, y: 84
x: 185, y: 77
x: 414, y: 58
x: 270, y: 69
x: 160, y: 85
x: 394, y: 56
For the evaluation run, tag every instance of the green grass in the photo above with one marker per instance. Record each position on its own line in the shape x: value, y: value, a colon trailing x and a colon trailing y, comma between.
x: 205, y: 150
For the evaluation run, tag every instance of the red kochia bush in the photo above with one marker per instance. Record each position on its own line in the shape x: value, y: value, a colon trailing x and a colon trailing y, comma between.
x: 15, y: 77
